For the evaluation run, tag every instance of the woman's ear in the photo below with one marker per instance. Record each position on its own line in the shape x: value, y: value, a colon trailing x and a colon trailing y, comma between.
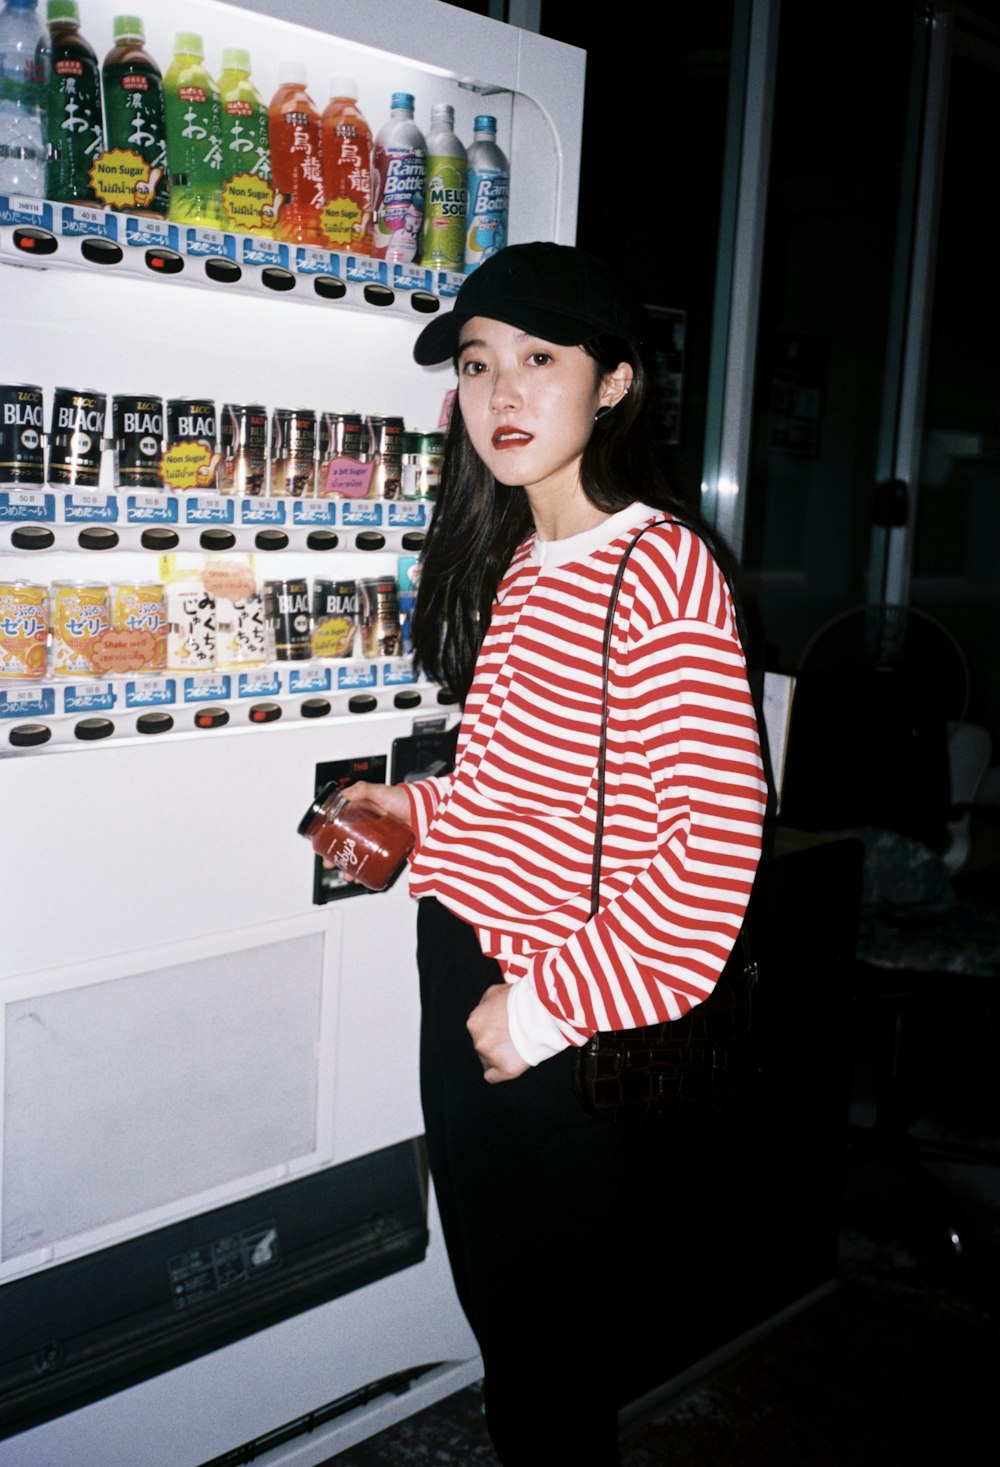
x: 615, y: 385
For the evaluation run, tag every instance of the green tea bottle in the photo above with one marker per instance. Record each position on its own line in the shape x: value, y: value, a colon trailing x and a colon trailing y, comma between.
x: 73, y: 107
x: 194, y: 136
x: 247, y: 189
x: 132, y: 173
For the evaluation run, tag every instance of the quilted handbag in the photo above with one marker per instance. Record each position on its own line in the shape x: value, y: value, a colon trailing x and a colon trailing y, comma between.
x: 679, y: 1073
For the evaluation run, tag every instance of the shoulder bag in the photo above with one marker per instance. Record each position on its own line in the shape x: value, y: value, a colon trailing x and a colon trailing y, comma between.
x: 685, y: 1071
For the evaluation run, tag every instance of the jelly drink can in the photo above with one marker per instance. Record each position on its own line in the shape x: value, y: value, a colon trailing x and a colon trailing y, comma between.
x: 81, y: 611
x: 24, y: 629
x: 141, y: 608
x: 22, y: 425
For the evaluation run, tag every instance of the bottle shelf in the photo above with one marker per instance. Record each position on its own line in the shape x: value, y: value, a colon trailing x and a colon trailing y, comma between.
x: 42, y: 234
x: 46, y: 518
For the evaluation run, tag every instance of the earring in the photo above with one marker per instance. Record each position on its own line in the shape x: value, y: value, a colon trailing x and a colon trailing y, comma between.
x: 602, y: 412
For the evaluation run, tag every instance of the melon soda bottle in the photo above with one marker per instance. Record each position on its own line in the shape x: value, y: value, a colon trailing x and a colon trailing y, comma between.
x: 134, y: 121
x: 446, y: 204
x: 248, y: 198
x: 347, y: 170
x: 194, y: 136
x: 297, y: 159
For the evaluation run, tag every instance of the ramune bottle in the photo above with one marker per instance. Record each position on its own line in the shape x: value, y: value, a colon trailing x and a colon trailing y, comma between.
x: 22, y: 85
x: 489, y: 188
x: 447, y: 194
x: 73, y: 113
x: 399, y: 173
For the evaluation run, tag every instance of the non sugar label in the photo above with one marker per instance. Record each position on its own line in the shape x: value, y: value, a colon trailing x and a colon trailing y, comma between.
x: 250, y: 202
x: 348, y: 478
x: 333, y: 637
x: 339, y: 220
x: 189, y: 464
x: 124, y: 180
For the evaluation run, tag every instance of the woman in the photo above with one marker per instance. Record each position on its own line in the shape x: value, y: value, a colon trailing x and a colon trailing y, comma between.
x: 548, y: 473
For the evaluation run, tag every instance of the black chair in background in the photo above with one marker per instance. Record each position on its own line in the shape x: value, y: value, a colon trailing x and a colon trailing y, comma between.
x: 879, y: 747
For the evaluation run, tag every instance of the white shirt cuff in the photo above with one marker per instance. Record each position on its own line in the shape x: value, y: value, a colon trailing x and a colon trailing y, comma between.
x: 534, y: 1033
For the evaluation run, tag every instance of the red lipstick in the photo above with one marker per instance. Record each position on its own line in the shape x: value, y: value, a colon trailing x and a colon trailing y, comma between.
x: 508, y: 436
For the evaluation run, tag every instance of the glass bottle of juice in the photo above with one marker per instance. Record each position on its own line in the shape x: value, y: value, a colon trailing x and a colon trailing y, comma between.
x: 247, y: 189
x: 194, y: 136
x: 347, y: 170
x: 73, y: 107
x: 399, y: 173
x: 135, y: 129
x: 296, y: 158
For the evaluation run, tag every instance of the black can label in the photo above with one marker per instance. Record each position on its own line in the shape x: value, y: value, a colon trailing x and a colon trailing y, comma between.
x: 22, y: 425
x: 286, y: 616
x: 243, y: 440
x: 76, y: 437
x: 191, y: 420
x: 137, y: 430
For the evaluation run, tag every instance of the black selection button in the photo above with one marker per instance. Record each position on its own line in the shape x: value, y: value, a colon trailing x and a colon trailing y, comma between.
x: 322, y: 540
x: 29, y: 735
x: 407, y: 698
x: 35, y: 241
x: 362, y: 703
x: 329, y: 287
x: 32, y: 537
x: 424, y: 302
x: 154, y: 723
x: 271, y: 540
x: 211, y: 718
x: 164, y: 262
x: 222, y: 271
x: 369, y: 540
x: 216, y: 539
x: 316, y: 708
x: 102, y: 251
x: 413, y: 540
x: 265, y: 713
x: 276, y: 278
x: 97, y: 537
x: 157, y: 537
x: 378, y: 295
x: 90, y: 729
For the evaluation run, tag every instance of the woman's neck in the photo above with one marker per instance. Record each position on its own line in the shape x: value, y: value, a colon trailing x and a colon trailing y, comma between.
x: 560, y: 517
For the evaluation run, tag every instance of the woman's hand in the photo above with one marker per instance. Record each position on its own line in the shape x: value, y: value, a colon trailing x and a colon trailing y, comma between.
x: 491, y: 1036
x: 389, y: 798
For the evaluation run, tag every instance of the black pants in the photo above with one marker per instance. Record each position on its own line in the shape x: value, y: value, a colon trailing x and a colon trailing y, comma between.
x: 528, y: 1188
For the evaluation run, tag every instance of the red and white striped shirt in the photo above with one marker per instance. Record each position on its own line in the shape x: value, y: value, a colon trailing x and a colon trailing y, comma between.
x: 506, y: 841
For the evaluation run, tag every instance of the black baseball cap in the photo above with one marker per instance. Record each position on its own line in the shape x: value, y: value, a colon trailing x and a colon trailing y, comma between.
x: 556, y: 292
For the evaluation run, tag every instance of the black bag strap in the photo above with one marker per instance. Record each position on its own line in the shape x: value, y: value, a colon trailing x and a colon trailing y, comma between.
x: 750, y: 967
x: 602, y: 748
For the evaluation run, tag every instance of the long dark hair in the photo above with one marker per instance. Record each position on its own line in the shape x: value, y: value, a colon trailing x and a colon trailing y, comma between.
x: 478, y: 524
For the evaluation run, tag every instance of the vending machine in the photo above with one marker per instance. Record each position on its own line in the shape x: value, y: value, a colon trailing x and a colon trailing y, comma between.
x: 218, y: 1239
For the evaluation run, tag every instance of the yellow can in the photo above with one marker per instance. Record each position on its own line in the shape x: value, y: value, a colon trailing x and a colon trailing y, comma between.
x: 140, y: 611
x: 81, y: 611
x: 24, y: 629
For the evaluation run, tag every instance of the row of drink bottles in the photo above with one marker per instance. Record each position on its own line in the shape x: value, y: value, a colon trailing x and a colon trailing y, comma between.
x: 212, y: 153
x: 185, y: 444
x: 219, y: 619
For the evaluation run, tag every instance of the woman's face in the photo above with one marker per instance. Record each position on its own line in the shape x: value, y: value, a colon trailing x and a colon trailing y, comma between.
x: 529, y: 405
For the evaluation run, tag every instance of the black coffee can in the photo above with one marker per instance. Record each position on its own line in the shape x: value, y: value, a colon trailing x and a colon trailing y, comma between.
x: 341, y: 435
x: 286, y: 616
x: 191, y: 420
x: 293, y: 452
x: 137, y: 433
x: 76, y: 436
x: 335, y: 618
x: 22, y: 429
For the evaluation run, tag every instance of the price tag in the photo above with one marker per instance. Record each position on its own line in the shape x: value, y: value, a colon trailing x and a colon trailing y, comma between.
x: 261, y: 682
x: 362, y: 513
x: 150, y: 692
x: 19, y: 702
x: 27, y: 504
x: 209, y: 509
x: 89, y: 698
x: 151, y: 509
x: 83, y: 508
x: 357, y: 675
x: 206, y: 687
x: 314, y: 511
x: 262, y: 511
x: 313, y: 679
